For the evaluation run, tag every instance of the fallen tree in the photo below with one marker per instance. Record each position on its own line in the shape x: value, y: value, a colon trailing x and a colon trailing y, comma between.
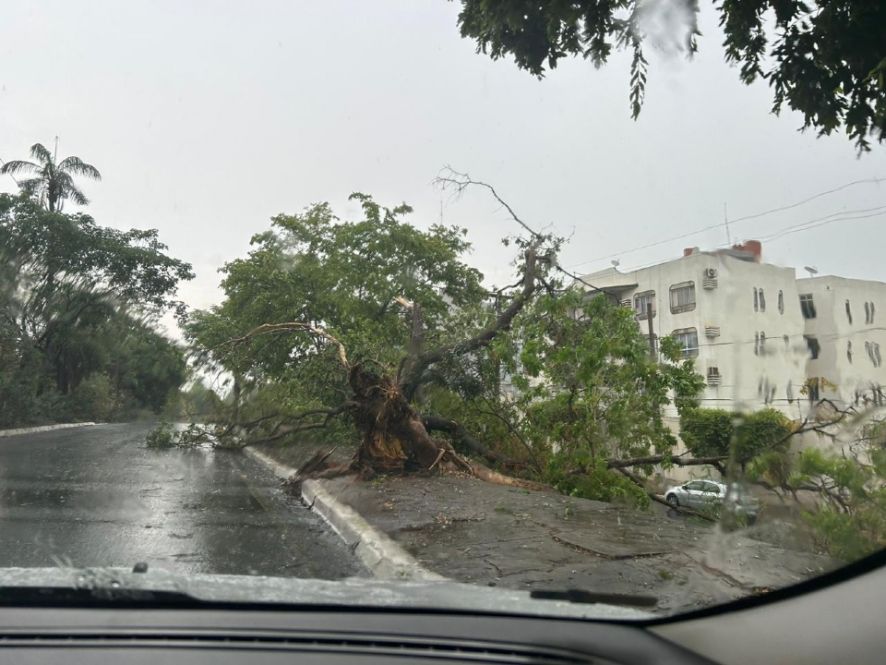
x: 390, y: 339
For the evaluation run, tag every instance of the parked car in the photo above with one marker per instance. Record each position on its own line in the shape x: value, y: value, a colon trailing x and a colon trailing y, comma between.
x: 712, y: 495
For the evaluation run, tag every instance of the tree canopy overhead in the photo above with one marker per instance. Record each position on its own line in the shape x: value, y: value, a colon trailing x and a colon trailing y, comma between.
x: 825, y: 59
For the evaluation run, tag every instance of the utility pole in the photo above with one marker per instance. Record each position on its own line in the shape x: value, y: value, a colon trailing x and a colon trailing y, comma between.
x: 652, y: 353
x: 497, y: 361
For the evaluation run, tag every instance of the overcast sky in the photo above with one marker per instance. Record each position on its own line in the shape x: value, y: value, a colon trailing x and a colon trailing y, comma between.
x: 207, y: 118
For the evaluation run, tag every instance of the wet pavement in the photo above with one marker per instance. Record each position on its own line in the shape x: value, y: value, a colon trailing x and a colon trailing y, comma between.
x: 476, y: 532
x: 97, y: 496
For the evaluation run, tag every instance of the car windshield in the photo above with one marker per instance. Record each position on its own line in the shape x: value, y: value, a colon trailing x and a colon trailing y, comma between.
x: 526, y: 297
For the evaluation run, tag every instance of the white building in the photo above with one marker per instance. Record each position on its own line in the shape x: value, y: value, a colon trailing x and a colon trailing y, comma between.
x: 760, y: 336
x: 846, y: 338
x: 738, y: 317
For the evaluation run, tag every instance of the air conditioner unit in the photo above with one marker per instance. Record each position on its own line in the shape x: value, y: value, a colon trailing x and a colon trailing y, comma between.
x: 626, y: 302
x: 712, y: 331
x: 710, y: 279
x: 714, y: 376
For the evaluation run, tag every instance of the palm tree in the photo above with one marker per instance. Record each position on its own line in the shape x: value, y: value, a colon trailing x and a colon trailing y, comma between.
x: 53, y: 182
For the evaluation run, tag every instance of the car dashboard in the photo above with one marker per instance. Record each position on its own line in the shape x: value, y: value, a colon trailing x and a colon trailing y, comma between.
x: 220, y: 636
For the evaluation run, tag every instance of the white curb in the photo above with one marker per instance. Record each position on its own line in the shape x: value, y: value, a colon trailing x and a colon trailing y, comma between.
x: 41, y: 428
x: 384, y: 558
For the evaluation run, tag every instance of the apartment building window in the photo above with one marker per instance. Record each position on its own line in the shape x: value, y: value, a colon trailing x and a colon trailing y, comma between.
x: 813, y: 389
x: 682, y: 297
x: 873, y: 351
x: 814, y: 346
x: 849, y: 350
x: 872, y: 312
x: 867, y: 312
x: 849, y: 311
x: 688, y: 339
x: 641, y: 300
x: 759, y: 343
x: 780, y: 301
x: 762, y: 301
x: 756, y: 300
x: 807, y: 307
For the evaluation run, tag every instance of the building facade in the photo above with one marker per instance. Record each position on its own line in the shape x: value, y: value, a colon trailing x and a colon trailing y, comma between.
x: 739, y: 318
x: 760, y: 336
x: 846, y: 336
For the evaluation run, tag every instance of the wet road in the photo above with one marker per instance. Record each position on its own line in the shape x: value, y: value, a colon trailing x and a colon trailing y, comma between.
x: 96, y: 496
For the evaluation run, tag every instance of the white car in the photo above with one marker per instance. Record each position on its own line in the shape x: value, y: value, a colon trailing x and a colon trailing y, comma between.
x: 710, y: 495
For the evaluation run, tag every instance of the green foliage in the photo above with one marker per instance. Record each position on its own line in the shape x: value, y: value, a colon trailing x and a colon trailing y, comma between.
x: 850, y: 519
x: 93, y: 399
x: 851, y: 522
x: 76, y: 302
x: 707, y: 432
x: 581, y: 386
x: 53, y: 183
x: 850, y: 536
x: 760, y: 431
x: 825, y: 60
x: 740, y: 437
x: 162, y: 436
x: 345, y: 276
x: 773, y: 467
x: 586, y: 390
x: 582, y: 476
x: 197, y: 402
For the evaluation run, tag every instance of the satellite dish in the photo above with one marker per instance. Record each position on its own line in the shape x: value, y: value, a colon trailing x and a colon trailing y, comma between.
x: 615, y: 263
x: 812, y: 270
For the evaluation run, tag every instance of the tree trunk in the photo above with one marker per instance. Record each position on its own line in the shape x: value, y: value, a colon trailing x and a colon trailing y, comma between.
x: 394, y: 436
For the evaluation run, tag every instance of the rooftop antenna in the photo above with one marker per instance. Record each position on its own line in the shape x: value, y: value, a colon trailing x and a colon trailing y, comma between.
x: 726, y: 224
x: 812, y: 270
x: 615, y: 263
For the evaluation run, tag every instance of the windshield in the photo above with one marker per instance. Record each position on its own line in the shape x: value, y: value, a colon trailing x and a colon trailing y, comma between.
x: 531, y: 297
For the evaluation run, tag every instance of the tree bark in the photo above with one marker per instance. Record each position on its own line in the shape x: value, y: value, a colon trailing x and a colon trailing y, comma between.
x: 394, y: 437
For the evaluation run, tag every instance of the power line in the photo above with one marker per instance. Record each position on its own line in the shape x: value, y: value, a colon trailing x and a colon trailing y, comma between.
x: 811, y: 198
x: 712, y: 227
x: 802, y: 226
x: 809, y: 226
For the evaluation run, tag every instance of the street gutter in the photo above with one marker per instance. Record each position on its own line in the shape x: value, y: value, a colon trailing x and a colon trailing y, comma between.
x: 381, y: 555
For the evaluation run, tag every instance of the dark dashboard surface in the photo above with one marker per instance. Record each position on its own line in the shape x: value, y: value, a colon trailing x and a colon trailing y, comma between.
x: 156, y: 636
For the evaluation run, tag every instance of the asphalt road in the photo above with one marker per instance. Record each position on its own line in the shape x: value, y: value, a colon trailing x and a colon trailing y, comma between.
x: 97, y: 496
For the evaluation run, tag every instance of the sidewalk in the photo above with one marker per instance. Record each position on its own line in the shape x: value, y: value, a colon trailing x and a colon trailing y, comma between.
x: 42, y: 428
x: 472, y: 531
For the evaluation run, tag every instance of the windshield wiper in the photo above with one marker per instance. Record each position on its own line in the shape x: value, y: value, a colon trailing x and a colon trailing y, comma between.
x: 592, y: 597
x: 54, y: 596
